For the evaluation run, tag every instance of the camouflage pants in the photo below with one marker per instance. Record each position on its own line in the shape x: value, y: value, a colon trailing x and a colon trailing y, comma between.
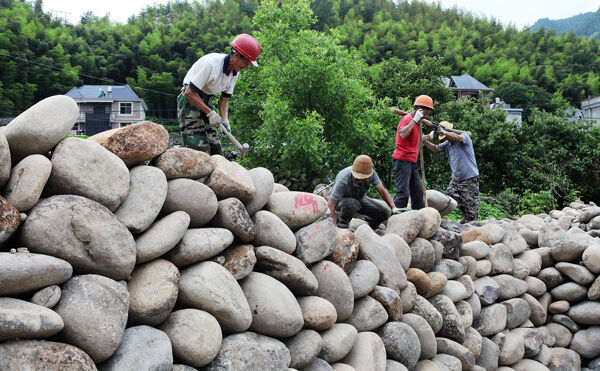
x: 195, y: 129
x: 466, y: 194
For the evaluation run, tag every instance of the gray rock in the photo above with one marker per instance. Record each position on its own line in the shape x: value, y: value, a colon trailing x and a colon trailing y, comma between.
x: 407, y: 225
x: 318, y: 313
x: 447, y: 362
x: 184, y: 162
x: 473, y: 341
x: 82, y: 232
x: 535, y: 286
x: 521, y: 269
x: 335, y: 287
x: 337, y: 342
x: 588, y: 214
x: 564, y: 359
x: 531, y: 237
x: 162, y: 236
x: 297, y: 209
x: 195, y: 336
x: 47, y: 297
x: 469, y: 266
x: 272, y: 231
x: 304, y: 348
x: 569, y: 291
x: 533, y: 339
x: 27, y: 180
x: 5, y: 163
x: 450, y: 268
x: 94, y: 310
x: 491, y: 320
x: 515, y: 242
x: 375, y: 249
x: 484, y: 267
x: 451, y: 241
x: 453, y: 348
x: 432, y: 220
x: 560, y: 306
x: 511, y: 347
x: 591, y: 258
x: 142, y: 348
x: 587, y: 342
x: 475, y: 304
x: 549, y: 234
x: 533, y: 260
x: 263, y: 185
x: 363, y: 278
x: 439, y: 201
x: 510, y: 287
x: 476, y: 249
x: 210, y: 287
x: 538, y: 311
x: 452, y: 326
x: 315, y: 241
x: 490, y: 353
x: 466, y: 313
x: 41, y: 126
x: 230, y: 179
x: 23, y: 320
x: 422, y: 255
x: 517, y: 312
x: 567, y: 250
x: 408, y: 296
x: 497, y: 232
x: 439, y: 250
x: 232, y: 215
x: 401, y: 343
x: 22, y: 272
x: 394, y: 366
x: 147, y: 193
x: 368, y: 353
x: 501, y: 258
x: 287, y: 269
x: 275, y: 311
x: 594, y: 290
x: 390, y: 300
x: 455, y: 290
x: 195, y: 198
x: 551, y: 277
x: 199, y: 244
x: 425, y: 309
x: 43, y: 355
x: 318, y: 365
x: 153, y: 290
x: 579, y: 274
x: 585, y: 313
x: 249, y: 351
x: 487, y: 289
x: 368, y: 314
x: 85, y: 168
x: 427, y: 342
x: 401, y: 248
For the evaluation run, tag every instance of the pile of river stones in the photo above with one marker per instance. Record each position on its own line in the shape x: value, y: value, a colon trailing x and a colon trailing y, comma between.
x: 118, y: 253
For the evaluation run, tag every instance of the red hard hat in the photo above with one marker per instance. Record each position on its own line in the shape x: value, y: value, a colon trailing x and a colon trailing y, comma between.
x: 247, y: 46
x: 424, y: 100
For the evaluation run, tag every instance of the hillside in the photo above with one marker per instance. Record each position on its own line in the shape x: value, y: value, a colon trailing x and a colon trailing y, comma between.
x: 585, y: 24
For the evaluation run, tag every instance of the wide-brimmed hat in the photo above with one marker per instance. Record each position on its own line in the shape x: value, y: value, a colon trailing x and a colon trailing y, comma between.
x: 446, y: 125
x: 362, y: 168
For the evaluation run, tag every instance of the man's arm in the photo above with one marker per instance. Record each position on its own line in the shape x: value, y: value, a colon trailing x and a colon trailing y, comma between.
x: 195, y: 100
x: 331, y: 204
x: 432, y: 147
x: 403, y: 132
x: 224, y: 107
x: 453, y: 136
x: 385, y: 195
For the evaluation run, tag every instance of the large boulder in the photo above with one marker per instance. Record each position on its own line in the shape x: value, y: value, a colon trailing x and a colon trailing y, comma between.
x: 94, y: 310
x: 199, y: 244
x: 334, y: 286
x: 297, y: 209
x: 315, y: 241
x: 230, y: 179
x: 272, y: 231
x: 407, y: 225
x: 161, y: 237
x: 84, y: 168
x: 41, y: 126
x: 439, y: 201
x: 21, y: 272
x: 232, y: 215
x: 184, y: 162
x: 193, y: 197
x: 287, y: 269
x: 263, y: 184
x: 82, y: 232
x: 134, y: 143
x: 27, y: 181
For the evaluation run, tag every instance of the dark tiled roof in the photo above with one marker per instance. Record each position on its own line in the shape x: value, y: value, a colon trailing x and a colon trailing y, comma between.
x: 101, y: 91
x: 466, y: 82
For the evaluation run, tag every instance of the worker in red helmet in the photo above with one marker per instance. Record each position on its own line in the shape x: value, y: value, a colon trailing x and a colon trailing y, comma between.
x: 210, y: 75
x: 404, y: 159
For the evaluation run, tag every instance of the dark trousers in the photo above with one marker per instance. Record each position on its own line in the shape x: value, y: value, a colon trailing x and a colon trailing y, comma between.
x: 408, y: 184
x: 375, y: 212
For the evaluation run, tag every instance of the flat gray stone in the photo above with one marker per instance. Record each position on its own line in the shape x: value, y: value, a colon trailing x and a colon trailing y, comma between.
x: 193, y: 197
x: 22, y: 272
x: 43, y: 355
x: 272, y: 231
x: 20, y: 319
x: 199, y: 244
x: 401, y: 343
x: 337, y: 342
x: 287, y: 269
x: 161, y: 237
x: 334, y: 286
x: 315, y: 241
x: 304, y: 348
x: 27, y: 181
x: 368, y: 353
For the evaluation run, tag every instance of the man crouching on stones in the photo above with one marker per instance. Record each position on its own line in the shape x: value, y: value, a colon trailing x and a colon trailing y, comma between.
x: 348, y: 195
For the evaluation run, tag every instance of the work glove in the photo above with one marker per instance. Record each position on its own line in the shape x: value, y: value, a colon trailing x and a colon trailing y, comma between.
x: 226, y: 125
x: 442, y: 131
x: 432, y: 135
x: 418, y: 115
x: 214, y: 120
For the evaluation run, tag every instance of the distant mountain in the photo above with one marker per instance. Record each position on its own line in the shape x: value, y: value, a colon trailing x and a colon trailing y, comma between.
x: 585, y: 24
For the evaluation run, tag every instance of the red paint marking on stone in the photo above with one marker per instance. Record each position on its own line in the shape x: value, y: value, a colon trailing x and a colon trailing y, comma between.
x: 306, y: 199
x: 325, y: 267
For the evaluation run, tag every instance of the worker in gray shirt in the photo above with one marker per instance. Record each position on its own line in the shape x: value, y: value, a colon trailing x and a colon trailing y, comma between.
x: 348, y: 195
x: 464, y: 185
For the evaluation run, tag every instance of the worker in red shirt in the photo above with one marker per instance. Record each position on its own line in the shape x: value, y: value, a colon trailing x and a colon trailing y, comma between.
x: 404, y: 159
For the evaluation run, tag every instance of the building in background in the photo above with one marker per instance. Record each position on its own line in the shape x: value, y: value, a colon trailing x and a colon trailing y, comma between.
x: 105, y: 107
x: 467, y: 86
x: 590, y: 109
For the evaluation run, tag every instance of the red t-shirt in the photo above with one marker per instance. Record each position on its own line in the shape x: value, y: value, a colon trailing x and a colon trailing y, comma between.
x: 407, y: 148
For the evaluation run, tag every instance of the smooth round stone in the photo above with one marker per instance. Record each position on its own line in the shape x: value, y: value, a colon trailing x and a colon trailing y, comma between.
x: 297, y: 209
x: 41, y: 126
x: 47, y: 297
x: 497, y: 233
x: 529, y: 365
x: 27, y: 181
x: 161, y: 237
x: 566, y: 321
x: 391, y: 365
x: 535, y: 286
x: 476, y: 249
x: 401, y: 249
x: 579, y: 274
x: 199, y: 244
x: 521, y: 269
x: 466, y: 313
x: 368, y: 314
x: 318, y: 365
x: 407, y: 225
x: 422, y: 254
x: 153, y: 290
x: 43, y: 355
x: 210, y: 287
x: 585, y: 313
x: 510, y: 287
x: 85, y: 168
x: 239, y: 260
x: 427, y: 365
x: 342, y: 367
x: 587, y: 342
x: 487, y: 289
x: 531, y: 237
x: 455, y: 290
x: 23, y: 320
x: 591, y: 258
x: 82, y: 232
x: 569, y: 291
x: 517, y: 312
x: 408, y: 296
x: 438, y: 248
x: 594, y: 290
x: 476, y: 233
x: 195, y: 336
x: 376, y: 250
x: 564, y: 359
x: 147, y: 193
x: 335, y: 287
x: 401, y: 343
x: 551, y: 277
x: 450, y: 268
x: 304, y: 348
x: 475, y: 304
x: 10, y: 219
x: 184, y: 162
x: 142, y: 348
x: 446, y: 346
x: 94, y: 310
x: 439, y: 201
x: 484, y: 267
x: 368, y: 353
x: 232, y: 215
x: 275, y: 311
x: 588, y: 214
x: 432, y: 220
x: 488, y: 359
x: 5, y: 163
x: 501, y: 258
x: 250, y: 351
x: 513, y: 240
x: 263, y: 185
x: 287, y: 269
x: 363, y: 278
x: 538, y: 307
x: 272, y: 231
x: 346, y: 248
x: 427, y: 342
x: 230, y: 179
x: 560, y: 306
x: 315, y: 241
x: 567, y: 250
x: 193, y: 197
x: 22, y: 271
x: 447, y: 362
x: 473, y: 341
x: 425, y: 309
x: 491, y: 320
x: 318, y: 313
x: 338, y: 340
x: 533, y: 260
x: 549, y: 234
x: 452, y: 326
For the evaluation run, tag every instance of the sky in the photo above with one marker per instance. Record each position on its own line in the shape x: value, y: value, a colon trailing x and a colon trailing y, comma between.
x: 519, y: 13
